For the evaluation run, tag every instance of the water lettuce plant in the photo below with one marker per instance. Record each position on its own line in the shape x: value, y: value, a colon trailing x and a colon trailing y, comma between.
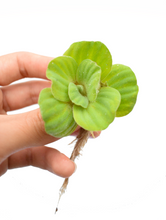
x: 87, y: 90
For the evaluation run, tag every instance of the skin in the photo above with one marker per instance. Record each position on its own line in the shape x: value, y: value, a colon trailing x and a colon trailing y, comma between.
x: 22, y: 136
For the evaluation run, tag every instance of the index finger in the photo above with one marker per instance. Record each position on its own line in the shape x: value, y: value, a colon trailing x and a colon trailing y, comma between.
x: 19, y: 65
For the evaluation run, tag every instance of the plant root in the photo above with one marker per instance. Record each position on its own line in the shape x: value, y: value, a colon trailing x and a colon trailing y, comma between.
x: 81, y: 140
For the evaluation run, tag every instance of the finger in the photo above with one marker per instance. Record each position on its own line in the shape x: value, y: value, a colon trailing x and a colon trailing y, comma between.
x: 2, y: 111
x: 42, y: 157
x: 22, y: 131
x: 95, y: 134
x: 23, y: 94
x: 3, y: 167
x: 18, y: 65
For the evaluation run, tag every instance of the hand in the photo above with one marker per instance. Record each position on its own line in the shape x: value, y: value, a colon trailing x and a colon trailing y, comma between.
x: 22, y: 136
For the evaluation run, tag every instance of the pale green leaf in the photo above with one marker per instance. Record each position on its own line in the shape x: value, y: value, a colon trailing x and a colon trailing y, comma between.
x: 76, y: 97
x: 99, y: 114
x: 58, y: 116
x: 93, y: 50
x: 61, y: 71
x: 89, y: 74
x: 124, y: 80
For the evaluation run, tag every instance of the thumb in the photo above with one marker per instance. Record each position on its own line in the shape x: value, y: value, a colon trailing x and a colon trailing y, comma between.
x: 22, y: 131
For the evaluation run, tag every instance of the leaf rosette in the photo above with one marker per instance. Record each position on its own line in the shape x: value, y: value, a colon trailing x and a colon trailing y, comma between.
x: 86, y: 90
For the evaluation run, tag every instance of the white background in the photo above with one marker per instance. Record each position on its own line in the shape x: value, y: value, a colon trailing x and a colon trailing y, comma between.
x: 122, y: 174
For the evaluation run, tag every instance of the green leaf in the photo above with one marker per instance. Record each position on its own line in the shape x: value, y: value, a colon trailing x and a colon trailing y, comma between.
x: 61, y: 71
x: 124, y: 80
x: 100, y: 113
x: 76, y: 97
x: 88, y: 74
x: 58, y: 116
x: 81, y: 89
x: 93, y: 50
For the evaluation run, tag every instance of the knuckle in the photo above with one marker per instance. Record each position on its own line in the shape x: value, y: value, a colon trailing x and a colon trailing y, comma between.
x: 20, y: 63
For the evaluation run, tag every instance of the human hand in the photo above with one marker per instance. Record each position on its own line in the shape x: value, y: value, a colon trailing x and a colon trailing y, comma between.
x: 22, y: 136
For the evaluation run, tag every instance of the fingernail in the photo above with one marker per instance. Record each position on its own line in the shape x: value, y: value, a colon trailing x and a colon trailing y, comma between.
x: 95, y: 134
x: 75, y: 167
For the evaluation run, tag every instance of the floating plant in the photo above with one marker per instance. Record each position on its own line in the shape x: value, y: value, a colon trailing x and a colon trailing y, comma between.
x: 86, y: 91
